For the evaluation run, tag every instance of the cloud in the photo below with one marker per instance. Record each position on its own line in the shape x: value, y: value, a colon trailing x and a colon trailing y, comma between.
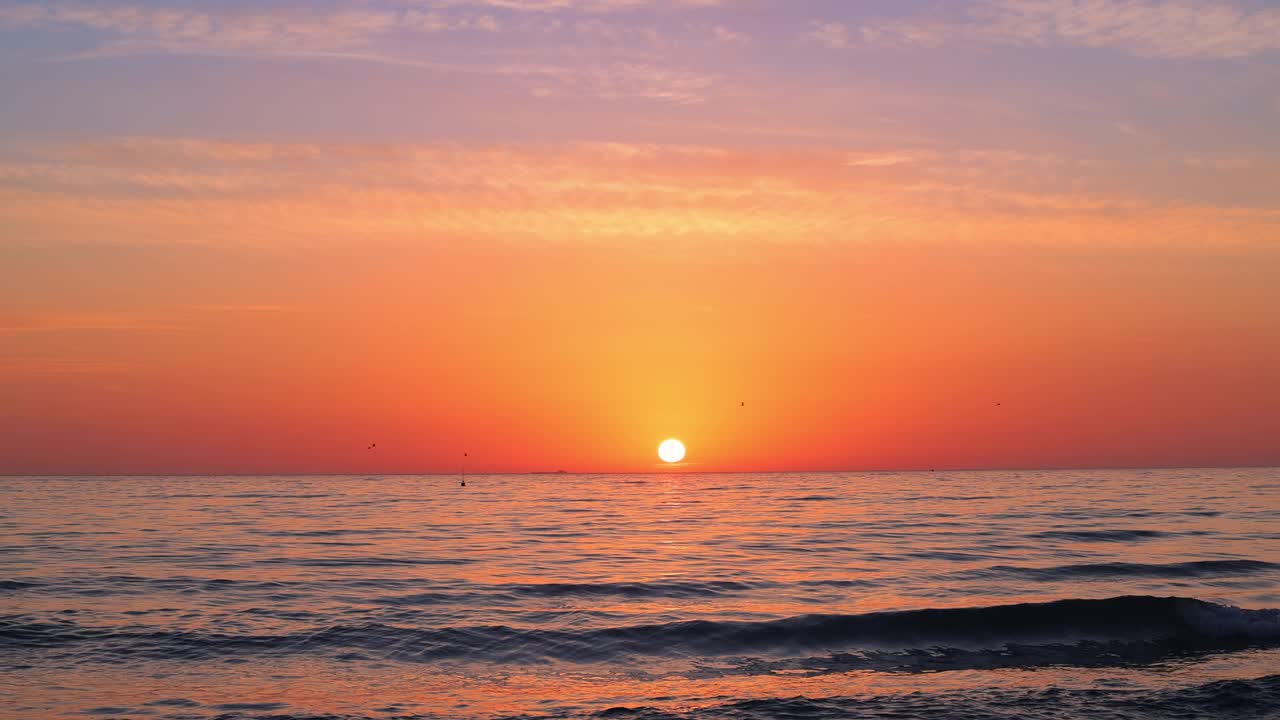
x: 615, y: 81
x: 486, y: 23
x: 297, y: 28
x: 1129, y: 129
x: 1171, y: 29
x: 585, y: 6
x: 729, y: 37
x: 141, y: 28
x: 147, y: 191
x: 225, y: 29
x: 612, y: 33
x: 22, y: 367
x: 241, y: 308
x: 164, y: 165
x: 74, y: 322
x: 1153, y: 28
x: 433, y: 22
x: 883, y: 159
x: 831, y: 34
x: 354, y: 35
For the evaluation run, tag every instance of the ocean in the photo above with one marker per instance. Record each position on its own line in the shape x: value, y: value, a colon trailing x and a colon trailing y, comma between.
x: 1034, y: 594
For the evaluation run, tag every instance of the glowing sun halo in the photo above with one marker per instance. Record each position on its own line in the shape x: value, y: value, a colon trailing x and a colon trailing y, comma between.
x: 671, y: 451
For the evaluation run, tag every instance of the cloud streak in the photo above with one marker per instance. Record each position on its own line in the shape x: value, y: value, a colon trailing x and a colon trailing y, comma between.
x: 138, y: 28
x: 81, y: 322
x: 588, y: 6
x: 165, y: 191
x: 364, y: 35
x: 292, y: 28
x: 1151, y: 28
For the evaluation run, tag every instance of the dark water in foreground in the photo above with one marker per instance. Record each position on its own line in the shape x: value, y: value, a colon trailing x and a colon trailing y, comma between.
x: 1119, y: 594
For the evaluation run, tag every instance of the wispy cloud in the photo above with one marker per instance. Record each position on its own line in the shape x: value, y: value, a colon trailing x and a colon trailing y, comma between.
x: 78, y: 322
x: 284, y: 28
x: 1130, y: 129
x: 1155, y: 28
x: 357, y: 34
x: 834, y: 35
x: 241, y: 308
x: 152, y: 165
x: 135, y: 28
x: 615, y: 81
x: 729, y: 37
x: 149, y: 191
x: 590, y: 6
x: 223, y: 29
x: 885, y: 159
x: 26, y: 367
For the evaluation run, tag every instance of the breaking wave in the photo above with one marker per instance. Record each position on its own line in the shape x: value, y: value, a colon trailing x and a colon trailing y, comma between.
x: 1145, y: 625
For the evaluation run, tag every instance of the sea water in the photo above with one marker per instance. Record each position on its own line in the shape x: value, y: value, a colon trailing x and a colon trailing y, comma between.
x: 1037, y: 594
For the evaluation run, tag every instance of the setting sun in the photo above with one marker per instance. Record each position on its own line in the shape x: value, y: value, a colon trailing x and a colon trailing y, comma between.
x: 671, y: 451
x: 402, y: 291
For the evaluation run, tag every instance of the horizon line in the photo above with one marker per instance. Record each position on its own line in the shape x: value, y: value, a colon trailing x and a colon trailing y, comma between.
x: 653, y: 472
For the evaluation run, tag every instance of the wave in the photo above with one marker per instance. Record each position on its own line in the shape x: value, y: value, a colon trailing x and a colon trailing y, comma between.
x: 629, y: 590
x: 421, y: 590
x: 1102, y: 535
x: 1240, y: 699
x: 1168, y: 624
x: 329, y: 532
x: 417, y: 590
x: 1255, y: 698
x: 18, y: 585
x: 1123, y: 570
x: 357, y: 562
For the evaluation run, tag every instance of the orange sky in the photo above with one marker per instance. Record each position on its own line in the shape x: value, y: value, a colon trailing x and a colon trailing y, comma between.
x: 551, y: 272
x: 584, y: 358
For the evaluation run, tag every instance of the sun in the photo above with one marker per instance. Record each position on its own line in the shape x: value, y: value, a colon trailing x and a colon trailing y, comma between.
x: 671, y: 451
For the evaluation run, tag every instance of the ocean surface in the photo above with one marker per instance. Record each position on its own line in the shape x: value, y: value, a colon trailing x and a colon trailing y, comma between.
x: 1068, y: 594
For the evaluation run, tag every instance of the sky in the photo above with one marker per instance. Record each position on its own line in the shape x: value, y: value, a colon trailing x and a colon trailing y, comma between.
x: 258, y: 237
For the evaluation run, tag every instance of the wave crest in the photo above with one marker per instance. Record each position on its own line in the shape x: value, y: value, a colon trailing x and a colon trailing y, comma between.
x: 1177, y: 623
